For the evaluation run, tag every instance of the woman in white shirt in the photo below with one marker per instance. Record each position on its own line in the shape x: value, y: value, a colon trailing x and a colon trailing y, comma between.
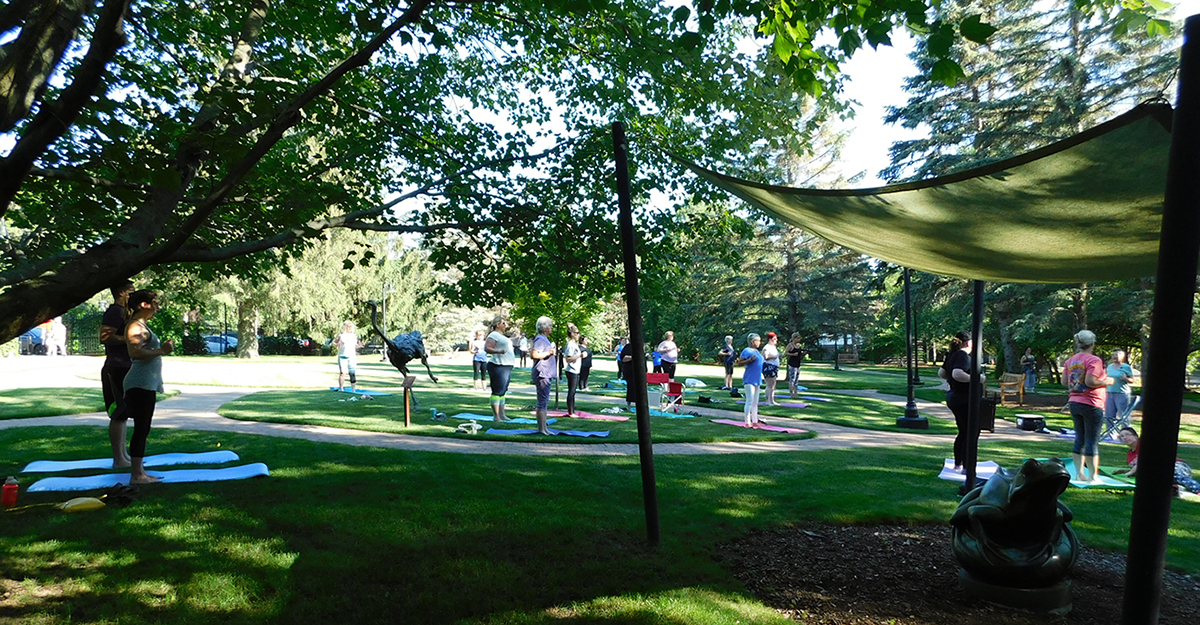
x: 500, y: 356
x: 479, y: 360
x: 347, y: 356
x: 573, y: 357
x: 770, y: 354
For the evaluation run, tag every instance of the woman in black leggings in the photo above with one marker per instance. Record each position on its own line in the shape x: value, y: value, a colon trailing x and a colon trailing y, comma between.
x: 956, y: 371
x: 144, y: 379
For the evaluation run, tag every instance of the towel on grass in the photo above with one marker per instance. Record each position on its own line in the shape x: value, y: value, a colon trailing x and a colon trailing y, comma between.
x: 179, y: 476
x: 586, y: 415
x: 983, y: 471
x: 553, y: 432
x: 346, y: 389
x: 158, y: 460
x: 759, y: 426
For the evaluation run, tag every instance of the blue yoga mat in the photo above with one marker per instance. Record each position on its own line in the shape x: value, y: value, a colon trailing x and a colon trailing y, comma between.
x: 159, y: 460
x: 655, y: 412
x: 466, y: 416
x: 811, y: 398
x: 346, y: 389
x: 552, y: 431
x: 1105, y: 480
x: 179, y: 476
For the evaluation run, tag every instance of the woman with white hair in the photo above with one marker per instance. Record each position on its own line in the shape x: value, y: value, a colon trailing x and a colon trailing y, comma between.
x: 752, y: 378
x: 1120, y: 391
x: 545, y: 369
x: 1085, y: 378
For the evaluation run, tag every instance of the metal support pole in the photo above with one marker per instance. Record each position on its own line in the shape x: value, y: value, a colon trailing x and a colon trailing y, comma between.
x: 976, y: 388
x: 911, y: 419
x: 1162, y: 390
x: 916, y: 370
x: 637, y: 370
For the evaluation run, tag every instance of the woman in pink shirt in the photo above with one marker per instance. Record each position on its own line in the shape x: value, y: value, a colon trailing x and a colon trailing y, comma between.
x: 1085, y: 377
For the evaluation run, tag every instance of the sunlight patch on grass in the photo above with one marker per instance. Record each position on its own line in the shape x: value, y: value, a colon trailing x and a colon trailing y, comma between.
x: 684, y: 605
x: 153, y: 593
x: 221, y: 592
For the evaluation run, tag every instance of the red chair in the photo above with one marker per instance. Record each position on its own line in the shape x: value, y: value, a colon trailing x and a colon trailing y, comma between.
x: 673, y: 396
x: 656, y: 389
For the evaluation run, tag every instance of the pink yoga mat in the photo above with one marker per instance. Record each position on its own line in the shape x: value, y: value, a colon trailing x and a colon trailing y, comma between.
x: 585, y: 415
x: 759, y: 426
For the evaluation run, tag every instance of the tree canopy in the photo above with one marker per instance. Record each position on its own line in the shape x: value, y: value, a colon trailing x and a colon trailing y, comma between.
x: 231, y: 134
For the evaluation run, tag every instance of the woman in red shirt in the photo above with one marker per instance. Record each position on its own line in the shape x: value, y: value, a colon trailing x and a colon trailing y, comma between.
x: 1086, y: 379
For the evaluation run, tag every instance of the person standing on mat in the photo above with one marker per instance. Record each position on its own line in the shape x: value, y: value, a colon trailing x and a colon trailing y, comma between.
x: 545, y: 369
x: 770, y: 354
x: 478, y: 360
x: 524, y: 348
x: 116, y: 366
x: 501, y: 359
x: 752, y: 360
x: 144, y: 379
x: 625, y: 364
x: 572, y: 356
x: 728, y: 354
x: 1084, y: 375
x: 956, y: 371
x: 1029, y: 368
x: 585, y: 362
x: 795, y: 356
x: 347, y: 356
x: 1118, y: 393
x: 670, y: 354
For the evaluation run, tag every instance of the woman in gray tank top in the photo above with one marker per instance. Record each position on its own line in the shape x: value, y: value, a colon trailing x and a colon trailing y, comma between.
x: 144, y: 379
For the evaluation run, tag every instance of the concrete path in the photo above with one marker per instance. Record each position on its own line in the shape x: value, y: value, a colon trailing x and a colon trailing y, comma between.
x: 195, y: 409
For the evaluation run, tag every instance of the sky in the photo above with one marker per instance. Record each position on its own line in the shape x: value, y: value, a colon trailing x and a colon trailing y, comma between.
x: 876, y: 82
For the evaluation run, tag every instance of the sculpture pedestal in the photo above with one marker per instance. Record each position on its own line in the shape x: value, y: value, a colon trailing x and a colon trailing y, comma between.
x: 1055, y: 599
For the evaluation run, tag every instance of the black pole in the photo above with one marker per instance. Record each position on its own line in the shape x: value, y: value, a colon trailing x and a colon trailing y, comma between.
x: 1165, y: 364
x: 976, y: 388
x: 916, y: 371
x: 911, y: 419
x: 634, y: 303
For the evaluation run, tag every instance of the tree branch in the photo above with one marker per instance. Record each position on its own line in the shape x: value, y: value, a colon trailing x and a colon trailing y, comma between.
x: 54, y: 119
x: 79, y: 175
x: 26, y: 69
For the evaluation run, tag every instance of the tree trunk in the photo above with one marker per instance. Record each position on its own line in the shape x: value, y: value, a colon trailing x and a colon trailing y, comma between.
x: 1008, y: 346
x: 247, y: 329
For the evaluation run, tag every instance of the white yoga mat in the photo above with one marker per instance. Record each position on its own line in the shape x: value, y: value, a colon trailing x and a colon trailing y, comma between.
x: 159, y: 460
x: 179, y: 476
x: 983, y: 471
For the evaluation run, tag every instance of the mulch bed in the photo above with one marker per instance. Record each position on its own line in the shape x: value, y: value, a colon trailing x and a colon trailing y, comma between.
x: 907, y: 575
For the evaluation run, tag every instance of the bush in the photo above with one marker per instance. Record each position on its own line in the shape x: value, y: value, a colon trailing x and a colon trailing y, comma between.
x: 288, y: 346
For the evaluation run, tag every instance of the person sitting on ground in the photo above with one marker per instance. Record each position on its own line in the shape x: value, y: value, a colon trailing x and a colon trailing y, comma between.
x: 1183, y: 471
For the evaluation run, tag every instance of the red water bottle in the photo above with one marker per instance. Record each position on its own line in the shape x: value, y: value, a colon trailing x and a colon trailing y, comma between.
x: 9, y: 497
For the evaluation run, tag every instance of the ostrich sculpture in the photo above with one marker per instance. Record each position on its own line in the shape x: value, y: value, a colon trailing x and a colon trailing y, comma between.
x: 403, y: 348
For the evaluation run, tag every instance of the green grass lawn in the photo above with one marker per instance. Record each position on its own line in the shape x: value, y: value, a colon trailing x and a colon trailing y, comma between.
x: 364, y: 535
x: 49, y: 402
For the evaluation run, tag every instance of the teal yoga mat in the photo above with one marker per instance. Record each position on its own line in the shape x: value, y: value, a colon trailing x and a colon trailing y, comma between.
x: 467, y: 416
x: 159, y: 460
x: 179, y: 476
x: 1106, y: 481
x: 346, y: 389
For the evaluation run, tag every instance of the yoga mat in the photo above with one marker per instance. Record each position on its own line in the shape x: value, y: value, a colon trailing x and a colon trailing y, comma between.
x: 983, y: 471
x: 789, y: 404
x: 655, y: 412
x: 553, y: 432
x: 1106, y: 481
x: 811, y: 398
x: 107, y: 480
x: 587, y: 415
x: 346, y: 389
x: 759, y: 426
x: 468, y: 416
x: 159, y: 460
x: 528, y: 421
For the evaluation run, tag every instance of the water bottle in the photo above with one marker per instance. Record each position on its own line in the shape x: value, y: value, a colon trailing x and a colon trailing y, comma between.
x: 9, y: 497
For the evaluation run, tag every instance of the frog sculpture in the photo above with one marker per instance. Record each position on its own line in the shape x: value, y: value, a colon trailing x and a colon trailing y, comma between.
x: 1012, y: 531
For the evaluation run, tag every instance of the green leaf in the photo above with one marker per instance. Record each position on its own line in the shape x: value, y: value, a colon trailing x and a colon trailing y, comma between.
x: 1158, y: 28
x: 939, y: 41
x: 689, y: 41
x: 1160, y: 5
x: 946, y: 72
x: 784, y: 48
x: 973, y: 29
x: 681, y: 14
x: 347, y: 264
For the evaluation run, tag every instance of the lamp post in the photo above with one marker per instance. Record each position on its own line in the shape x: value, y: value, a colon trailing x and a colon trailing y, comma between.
x: 915, y: 376
x: 911, y: 419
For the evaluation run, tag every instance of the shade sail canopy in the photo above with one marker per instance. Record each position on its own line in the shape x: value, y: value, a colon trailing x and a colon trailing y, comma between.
x: 1086, y: 209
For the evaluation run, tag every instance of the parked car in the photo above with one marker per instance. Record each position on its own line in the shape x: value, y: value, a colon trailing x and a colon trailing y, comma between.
x: 221, y: 343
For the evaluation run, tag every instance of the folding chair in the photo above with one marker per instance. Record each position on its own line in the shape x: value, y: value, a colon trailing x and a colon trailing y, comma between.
x: 656, y: 388
x: 1123, y: 420
x: 673, y: 396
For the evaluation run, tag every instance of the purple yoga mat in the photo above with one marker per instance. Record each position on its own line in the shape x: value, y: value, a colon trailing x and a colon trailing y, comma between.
x: 552, y: 431
x: 759, y: 426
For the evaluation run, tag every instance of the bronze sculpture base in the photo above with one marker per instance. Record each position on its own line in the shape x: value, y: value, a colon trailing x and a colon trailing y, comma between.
x: 1054, y: 599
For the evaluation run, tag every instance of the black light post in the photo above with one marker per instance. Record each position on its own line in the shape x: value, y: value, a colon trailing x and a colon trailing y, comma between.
x: 1178, y: 249
x: 911, y: 419
x: 916, y: 370
x: 634, y: 303
x: 976, y: 388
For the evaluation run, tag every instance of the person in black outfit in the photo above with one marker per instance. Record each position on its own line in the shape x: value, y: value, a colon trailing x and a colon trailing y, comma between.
x: 956, y: 371
x: 112, y: 374
x: 585, y: 365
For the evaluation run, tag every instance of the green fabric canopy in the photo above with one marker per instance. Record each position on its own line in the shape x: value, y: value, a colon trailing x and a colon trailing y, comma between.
x: 1085, y: 209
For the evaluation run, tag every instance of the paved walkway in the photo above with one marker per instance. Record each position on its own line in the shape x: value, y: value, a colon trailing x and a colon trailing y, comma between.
x: 195, y: 409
